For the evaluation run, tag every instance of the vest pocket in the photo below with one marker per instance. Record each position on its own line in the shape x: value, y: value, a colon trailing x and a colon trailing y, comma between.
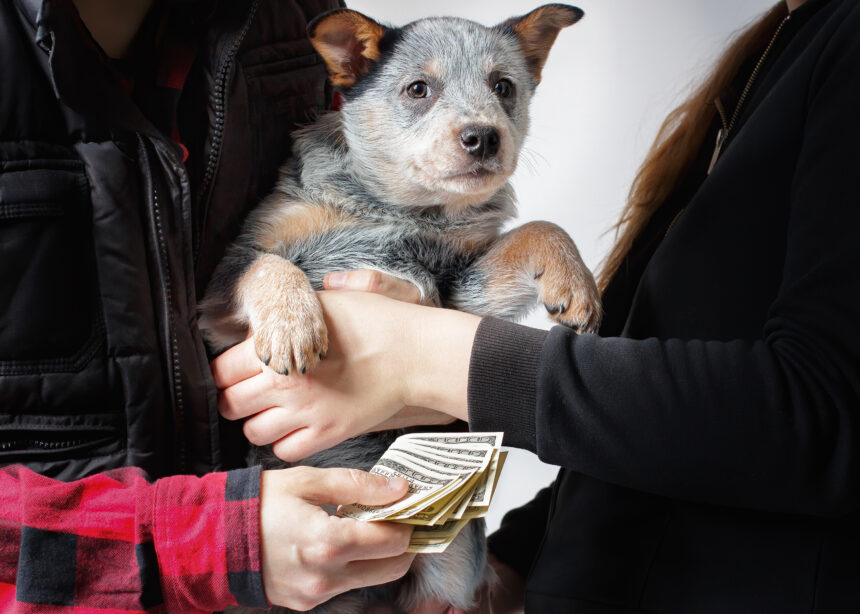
x: 48, y: 307
x: 35, y: 438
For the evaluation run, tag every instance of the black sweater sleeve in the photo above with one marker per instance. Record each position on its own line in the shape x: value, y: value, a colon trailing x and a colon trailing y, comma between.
x: 768, y: 423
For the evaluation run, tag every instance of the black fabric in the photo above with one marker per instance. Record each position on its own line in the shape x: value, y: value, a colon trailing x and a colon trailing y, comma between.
x: 520, y: 535
x: 106, y: 237
x: 492, y: 360
x: 48, y: 571
x: 247, y: 587
x: 150, y: 580
x: 711, y: 449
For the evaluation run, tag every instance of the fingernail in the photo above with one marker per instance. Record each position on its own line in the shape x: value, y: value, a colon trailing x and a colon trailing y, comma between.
x: 397, y: 484
x: 334, y: 281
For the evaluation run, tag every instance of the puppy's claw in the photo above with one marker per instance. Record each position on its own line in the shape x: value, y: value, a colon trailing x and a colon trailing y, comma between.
x: 291, y: 334
x: 570, y: 296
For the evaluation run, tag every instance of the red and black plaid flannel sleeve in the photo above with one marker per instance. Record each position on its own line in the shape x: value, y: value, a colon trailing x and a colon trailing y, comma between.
x: 117, y: 543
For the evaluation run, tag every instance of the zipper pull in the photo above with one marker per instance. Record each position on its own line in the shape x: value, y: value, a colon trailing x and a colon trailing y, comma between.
x: 722, y: 134
x: 721, y: 139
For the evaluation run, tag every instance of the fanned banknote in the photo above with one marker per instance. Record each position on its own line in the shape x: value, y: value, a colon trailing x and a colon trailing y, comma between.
x: 452, y: 478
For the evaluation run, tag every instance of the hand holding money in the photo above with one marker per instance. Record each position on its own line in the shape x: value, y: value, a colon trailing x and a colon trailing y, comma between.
x: 451, y: 476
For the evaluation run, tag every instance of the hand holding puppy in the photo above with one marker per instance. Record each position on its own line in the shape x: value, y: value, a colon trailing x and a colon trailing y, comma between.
x: 384, y: 355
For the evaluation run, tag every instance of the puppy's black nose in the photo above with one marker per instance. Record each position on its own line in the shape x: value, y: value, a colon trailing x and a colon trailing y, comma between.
x: 480, y: 141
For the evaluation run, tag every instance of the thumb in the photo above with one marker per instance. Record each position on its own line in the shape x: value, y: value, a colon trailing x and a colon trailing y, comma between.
x: 346, y: 486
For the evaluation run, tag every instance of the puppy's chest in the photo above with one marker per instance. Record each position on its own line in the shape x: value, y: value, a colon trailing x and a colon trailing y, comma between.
x: 436, y: 254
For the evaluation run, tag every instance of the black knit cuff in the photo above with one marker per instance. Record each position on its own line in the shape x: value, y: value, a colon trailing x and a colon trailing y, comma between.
x: 503, y: 380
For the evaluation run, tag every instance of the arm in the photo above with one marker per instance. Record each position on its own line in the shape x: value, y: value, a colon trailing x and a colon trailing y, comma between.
x: 185, y: 544
x: 120, y: 542
x: 768, y: 423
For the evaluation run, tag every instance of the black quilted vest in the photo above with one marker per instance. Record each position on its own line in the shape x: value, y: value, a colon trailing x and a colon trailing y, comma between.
x: 105, y: 241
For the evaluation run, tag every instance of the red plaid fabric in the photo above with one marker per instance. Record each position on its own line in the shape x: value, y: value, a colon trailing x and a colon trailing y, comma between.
x: 117, y: 543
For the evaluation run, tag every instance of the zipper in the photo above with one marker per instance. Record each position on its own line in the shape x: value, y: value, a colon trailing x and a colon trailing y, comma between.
x: 723, y: 134
x: 39, y: 444
x: 178, y: 414
x: 48, y: 442
x: 672, y: 223
x: 219, y: 102
x: 175, y: 381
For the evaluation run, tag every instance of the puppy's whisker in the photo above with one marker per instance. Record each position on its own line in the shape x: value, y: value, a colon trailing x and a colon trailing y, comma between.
x: 531, y: 158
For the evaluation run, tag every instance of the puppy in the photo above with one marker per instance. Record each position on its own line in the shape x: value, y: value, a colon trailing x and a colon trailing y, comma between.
x: 410, y: 178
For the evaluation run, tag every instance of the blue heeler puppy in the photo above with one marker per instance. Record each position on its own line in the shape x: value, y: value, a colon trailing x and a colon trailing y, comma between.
x: 409, y: 178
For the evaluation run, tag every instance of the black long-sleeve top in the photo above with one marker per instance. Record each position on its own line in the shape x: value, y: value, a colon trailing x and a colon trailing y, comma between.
x: 710, y: 434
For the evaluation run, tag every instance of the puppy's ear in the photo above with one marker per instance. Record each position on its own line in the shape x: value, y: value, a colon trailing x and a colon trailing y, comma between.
x: 348, y: 42
x: 537, y: 30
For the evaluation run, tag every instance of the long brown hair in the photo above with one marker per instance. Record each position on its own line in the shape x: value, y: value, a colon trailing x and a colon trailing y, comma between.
x: 680, y: 138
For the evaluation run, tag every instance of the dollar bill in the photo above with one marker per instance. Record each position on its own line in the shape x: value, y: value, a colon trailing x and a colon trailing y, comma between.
x: 435, y: 539
x: 423, y: 487
x: 424, y: 511
x: 474, y: 453
x: 447, y: 462
x: 452, y: 478
x: 442, y: 510
x: 493, y: 439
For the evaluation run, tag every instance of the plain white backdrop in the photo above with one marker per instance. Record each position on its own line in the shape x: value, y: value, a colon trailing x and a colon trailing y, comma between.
x: 609, y: 82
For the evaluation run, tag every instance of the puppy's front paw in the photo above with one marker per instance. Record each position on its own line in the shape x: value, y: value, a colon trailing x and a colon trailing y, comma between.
x: 289, y: 331
x: 292, y: 336
x: 569, y: 294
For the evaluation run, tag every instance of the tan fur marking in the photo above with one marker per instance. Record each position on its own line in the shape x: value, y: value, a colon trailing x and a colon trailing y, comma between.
x: 376, y: 122
x: 433, y: 69
x: 296, y: 222
x: 471, y: 238
x: 284, y: 314
x: 349, y: 43
x: 545, y: 253
x: 538, y: 30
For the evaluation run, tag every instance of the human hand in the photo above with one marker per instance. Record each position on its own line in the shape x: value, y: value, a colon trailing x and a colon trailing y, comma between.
x: 383, y: 355
x: 308, y: 557
x: 376, y: 282
x: 361, y: 383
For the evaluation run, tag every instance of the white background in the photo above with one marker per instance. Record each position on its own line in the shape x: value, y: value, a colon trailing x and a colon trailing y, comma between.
x: 609, y: 82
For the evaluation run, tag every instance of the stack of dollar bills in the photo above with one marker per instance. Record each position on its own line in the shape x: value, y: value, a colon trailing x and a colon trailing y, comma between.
x: 452, y: 478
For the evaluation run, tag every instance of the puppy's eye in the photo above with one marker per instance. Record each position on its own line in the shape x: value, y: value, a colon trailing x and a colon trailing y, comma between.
x: 419, y: 89
x: 504, y: 88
